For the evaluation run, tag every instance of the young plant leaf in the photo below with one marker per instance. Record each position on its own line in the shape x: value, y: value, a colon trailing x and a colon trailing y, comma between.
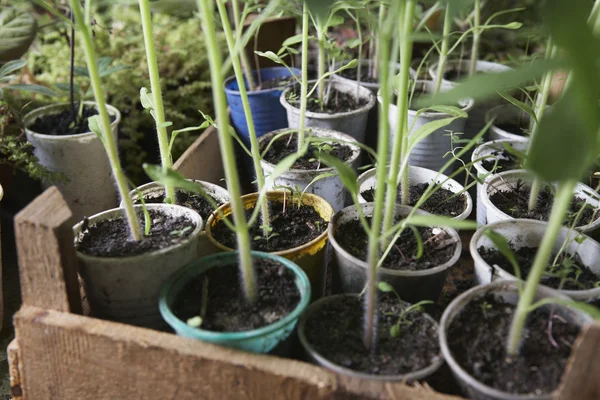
x: 33, y: 88
x: 385, y: 287
x: 94, y: 124
x: 521, y: 105
x: 346, y: 172
x: 503, y: 247
x: 427, y: 129
x: 146, y: 99
x: 12, y: 66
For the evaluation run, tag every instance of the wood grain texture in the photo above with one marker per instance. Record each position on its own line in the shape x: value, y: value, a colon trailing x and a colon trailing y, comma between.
x: 67, y: 356
x: 580, y: 380
x: 14, y: 369
x: 46, y: 256
x: 202, y: 160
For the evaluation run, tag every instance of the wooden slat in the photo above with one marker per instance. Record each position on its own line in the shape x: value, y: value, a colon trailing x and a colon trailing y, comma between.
x: 202, y: 160
x: 47, y: 260
x: 68, y: 356
x: 14, y: 368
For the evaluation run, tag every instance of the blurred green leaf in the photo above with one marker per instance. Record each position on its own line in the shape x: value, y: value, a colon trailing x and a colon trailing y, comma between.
x: 32, y: 88
x: 346, y: 172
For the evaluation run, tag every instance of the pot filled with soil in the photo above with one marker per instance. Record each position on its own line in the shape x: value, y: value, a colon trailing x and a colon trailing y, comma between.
x: 206, y: 301
x: 431, y: 152
x: 65, y: 145
x: 506, y: 196
x: 331, y: 333
x: 123, y: 277
x: 495, y: 157
x: 308, y: 167
x: 449, y: 199
x: 299, y: 231
x: 345, y: 108
x: 267, y: 112
x: 414, y: 278
x: 473, y: 334
x: 574, y: 269
x: 510, y: 122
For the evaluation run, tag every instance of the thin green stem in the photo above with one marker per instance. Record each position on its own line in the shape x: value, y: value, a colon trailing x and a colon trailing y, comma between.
x: 476, y: 36
x: 157, y: 101
x: 360, y: 55
x: 109, y: 141
x: 304, y: 79
x: 380, y: 19
x: 321, y: 65
x: 206, y: 8
x: 444, y: 50
x: 87, y: 9
x: 243, y: 56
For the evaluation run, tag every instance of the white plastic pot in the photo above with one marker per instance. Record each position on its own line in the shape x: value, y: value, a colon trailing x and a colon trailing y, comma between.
x: 416, y: 175
x: 529, y: 233
x: 506, y: 181
x: 506, y: 113
x: 90, y: 186
x: 353, y: 122
x: 330, y: 188
x: 490, y: 151
x: 429, y: 152
x: 126, y: 289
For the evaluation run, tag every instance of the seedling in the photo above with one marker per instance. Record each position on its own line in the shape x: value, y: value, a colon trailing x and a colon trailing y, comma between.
x: 270, y: 234
x: 485, y: 307
x: 403, y: 321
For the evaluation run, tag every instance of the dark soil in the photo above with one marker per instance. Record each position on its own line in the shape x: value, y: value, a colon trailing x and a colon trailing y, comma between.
x: 515, y: 203
x: 352, y: 73
x: 295, y: 227
x: 506, y: 162
x: 568, y: 267
x: 335, y: 331
x: 285, y: 146
x: 186, y: 199
x: 62, y: 124
x: 477, y: 340
x: 112, y: 238
x: 337, y: 102
x: 275, y: 83
x: 438, y: 247
x: 454, y: 75
x: 227, y: 309
x: 521, y: 129
x: 439, y: 202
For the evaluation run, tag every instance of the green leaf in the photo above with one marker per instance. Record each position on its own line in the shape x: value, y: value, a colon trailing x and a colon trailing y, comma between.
x: 346, y: 172
x: 521, y: 105
x: 25, y: 87
x: 146, y: 99
x: 427, y: 129
x: 335, y: 20
x: 395, y: 331
x: 438, y: 220
x: 12, y: 66
x: 94, y: 124
x: 385, y: 287
x: 271, y: 56
x: 81, y: 71
x: 503, y: 247
x: 291, y: 41
x: 589, y: 309
x: 108, y: 71
x: 194, y: 322
x: 17, y: 31
x: 319, y: 8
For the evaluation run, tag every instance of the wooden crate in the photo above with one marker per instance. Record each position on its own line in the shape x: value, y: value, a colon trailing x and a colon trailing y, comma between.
x: 59, y: 353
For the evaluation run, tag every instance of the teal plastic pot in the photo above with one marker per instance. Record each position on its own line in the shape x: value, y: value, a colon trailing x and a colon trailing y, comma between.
x: 260, y: 340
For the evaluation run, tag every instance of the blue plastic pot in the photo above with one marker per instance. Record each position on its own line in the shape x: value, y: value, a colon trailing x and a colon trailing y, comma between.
x: 260, y: 340
x: 267, y: 112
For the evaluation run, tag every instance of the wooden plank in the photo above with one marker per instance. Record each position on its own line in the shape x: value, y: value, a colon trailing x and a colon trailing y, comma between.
x: 202, y: 160
x: 14, y: 369
x: 580, y: 378
x: 271, y: 35
x: 68, y: 356
x: 47, y: 260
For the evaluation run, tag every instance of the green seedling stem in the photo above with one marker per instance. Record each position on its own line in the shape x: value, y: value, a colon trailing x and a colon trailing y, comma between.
x: 380, y: 19
x: 243, y: 56
x: 158, y: 107
x: 108, y: 139
x: 254, y: 147
x: 304, y: 78
x: 206, y: 9
x: 476, y: 36
x: 322, y: 58
x: 444, y: 49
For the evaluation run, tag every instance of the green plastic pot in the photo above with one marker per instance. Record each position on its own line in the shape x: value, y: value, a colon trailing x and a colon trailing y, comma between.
x: 260, y: 340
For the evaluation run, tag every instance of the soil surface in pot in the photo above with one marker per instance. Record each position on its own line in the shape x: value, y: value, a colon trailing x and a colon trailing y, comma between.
x: 438, y: 247
x: 440, y: 202
x: 217, y: 296
x: 477, y: 340
x: 502, y: 161
x: 335, y: 331
x: 515, y: 203
x: 112, y: 238
x: 337, y: 101
x: 285, y: 146
x: 352, y: 73
x: 62, y: 124
x: 568, y: 268
x: 193, y: 201
x: 292, y: 228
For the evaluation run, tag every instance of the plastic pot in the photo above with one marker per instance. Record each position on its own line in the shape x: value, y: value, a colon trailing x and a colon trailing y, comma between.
x: 126, y: 289
x: 311, y: 257
x: 416, y: 175
x: 491, y: 150
x: 318, y: 359
x: 429, y: 152
x: 507, y: 289
x: 261, y: 340
x: 89, y: 186
x: 330, y: 188
x: 353, y: 122
x: 505, y: 181
x: 267, y: 113
x: 413, y: 286
x: 529, y: 233
x: 506, y: 114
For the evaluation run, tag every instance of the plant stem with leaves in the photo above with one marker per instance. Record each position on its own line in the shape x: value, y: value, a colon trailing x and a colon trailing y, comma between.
x: 476, y: 37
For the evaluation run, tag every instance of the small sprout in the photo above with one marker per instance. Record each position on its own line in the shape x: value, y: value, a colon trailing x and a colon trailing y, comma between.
x: 485, y: 307
x: 180, y: 232
x: 395, y: 331
x: 385, y: 287
x: 580, y: 239
x: 195, y: 322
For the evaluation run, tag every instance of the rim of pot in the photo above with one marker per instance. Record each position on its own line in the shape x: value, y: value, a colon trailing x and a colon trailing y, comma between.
x: 356, y: 150
x: 28, y: 119
x: 1, y: 192
x: 487, y: 145
x: 363, y: 264
x: 271, y: 195
x: 152, y: 187
x: 194, y: 216
x: 177, y: 277
x: 488, y: 66
x: 463, y: 215
x: 411, y: 376
x: 473, y: 249
x: 363, y: 93
x: 261, y: 91
x: 506, y: 177
x: 503, y: 109
x: 459, y: 303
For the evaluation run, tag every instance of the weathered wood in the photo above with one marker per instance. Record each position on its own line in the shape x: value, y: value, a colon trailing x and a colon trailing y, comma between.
x: 271, y: 35
x: 580, y: 380
x: 68, y: 356
x: 47, y: 260
x: 14, y: 368
x: 202, y: 160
